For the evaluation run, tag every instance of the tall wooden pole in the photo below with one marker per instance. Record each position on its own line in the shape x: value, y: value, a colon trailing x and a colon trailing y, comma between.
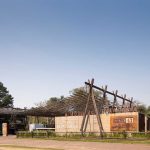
x: 86, y: 108
x: 97, y: 115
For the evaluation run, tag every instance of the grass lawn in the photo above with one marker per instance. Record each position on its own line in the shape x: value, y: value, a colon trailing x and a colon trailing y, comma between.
x: 12, y: 147
x: 126, y: 141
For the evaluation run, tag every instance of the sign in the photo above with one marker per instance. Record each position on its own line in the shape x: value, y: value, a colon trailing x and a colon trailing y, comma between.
x: 123, y: 123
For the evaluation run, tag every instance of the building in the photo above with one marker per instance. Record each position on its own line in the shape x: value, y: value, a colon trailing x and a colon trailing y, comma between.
x: 113, y: 122
x: 14, y: 117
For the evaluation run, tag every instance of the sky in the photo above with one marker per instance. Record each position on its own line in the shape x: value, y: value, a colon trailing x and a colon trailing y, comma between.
x: 49, y: 47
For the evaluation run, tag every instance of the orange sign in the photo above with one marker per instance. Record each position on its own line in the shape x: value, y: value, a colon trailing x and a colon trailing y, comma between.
x: 123, y: 123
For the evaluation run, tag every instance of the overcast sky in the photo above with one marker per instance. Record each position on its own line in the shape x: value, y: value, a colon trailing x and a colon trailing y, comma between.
x: 49, y: 47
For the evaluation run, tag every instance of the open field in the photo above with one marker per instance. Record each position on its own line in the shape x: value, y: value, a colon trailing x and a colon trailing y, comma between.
x: 70, y: 145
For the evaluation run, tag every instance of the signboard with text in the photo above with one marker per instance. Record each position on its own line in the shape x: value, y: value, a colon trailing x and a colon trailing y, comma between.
x: 123, y: 123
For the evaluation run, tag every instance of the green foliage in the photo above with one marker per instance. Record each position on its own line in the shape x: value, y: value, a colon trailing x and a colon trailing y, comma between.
x: 73, y: 135
x: 148, y: 108
x: 91, y: 134
x: 148, y: 111
x: 54, y: 101
x: 117, y: 135
x: 36, y: 134
x: 84, y: 91
x: 125, y: 135
x: 143, y: 109
x: 52, y: 134
x: 140, y: 135
x: 6, y: 100
x: 24, y: 134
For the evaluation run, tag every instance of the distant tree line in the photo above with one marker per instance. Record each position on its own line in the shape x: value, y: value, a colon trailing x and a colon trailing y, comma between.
x: 76, y: 102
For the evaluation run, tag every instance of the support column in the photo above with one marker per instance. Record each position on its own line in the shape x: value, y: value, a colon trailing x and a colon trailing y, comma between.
x: 145, y: 124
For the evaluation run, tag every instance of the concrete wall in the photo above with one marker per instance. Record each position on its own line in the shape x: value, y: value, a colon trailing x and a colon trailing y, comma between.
x: 73, y: 123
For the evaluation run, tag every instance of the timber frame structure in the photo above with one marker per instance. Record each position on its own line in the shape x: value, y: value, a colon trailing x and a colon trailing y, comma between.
x: 126, y: 106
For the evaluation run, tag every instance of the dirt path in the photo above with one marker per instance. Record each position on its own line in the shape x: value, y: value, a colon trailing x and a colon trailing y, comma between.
x: 71, y: 145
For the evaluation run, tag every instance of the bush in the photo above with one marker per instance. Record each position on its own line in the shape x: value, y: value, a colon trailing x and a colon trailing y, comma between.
x: 36, y: 133
x: 116, y: 135
x: 140, y: 135
x: 24, y: 134
x: 51, y: 134
x: 91, y: 134
x: 48, y: 134
x: 73, y: 135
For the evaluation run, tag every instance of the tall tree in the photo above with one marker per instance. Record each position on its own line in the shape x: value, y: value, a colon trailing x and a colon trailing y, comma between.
x: 6, y: 100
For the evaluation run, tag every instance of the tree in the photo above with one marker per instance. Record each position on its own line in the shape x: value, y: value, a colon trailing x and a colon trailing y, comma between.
x: 6, y: 100
x: 148, y: 111
x: 143, y: 109
x: 75, y: 102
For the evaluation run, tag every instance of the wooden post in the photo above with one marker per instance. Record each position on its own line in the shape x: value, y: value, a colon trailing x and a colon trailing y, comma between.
x: 103, y: 100
x: 85, y: 117
x: 5, y: 129
x: 115, y: 100
x: 145, y: 124
x: 123, y: 103
x: 97, y: 110
x: 86, y: 123
x: 131, y: 104
x: 86, y: 108
x: 97, y: 115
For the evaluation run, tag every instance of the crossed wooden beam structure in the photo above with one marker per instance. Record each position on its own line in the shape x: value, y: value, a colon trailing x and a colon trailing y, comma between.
x: 97, y: 111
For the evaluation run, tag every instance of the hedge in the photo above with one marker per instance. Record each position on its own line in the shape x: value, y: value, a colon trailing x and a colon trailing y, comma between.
x: 109, y: 135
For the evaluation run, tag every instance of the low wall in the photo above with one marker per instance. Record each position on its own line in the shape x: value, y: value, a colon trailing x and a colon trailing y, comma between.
x: 111, y: 123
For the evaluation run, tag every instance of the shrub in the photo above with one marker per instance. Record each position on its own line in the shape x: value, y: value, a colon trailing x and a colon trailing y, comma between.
x: 24, y: 134
x: 36, y: 133
x: 140, y: 135
x: 91, y: 134
x: 51, y: 134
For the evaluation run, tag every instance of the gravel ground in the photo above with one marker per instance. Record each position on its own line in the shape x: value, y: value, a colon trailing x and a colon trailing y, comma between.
x: 71, y: 145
